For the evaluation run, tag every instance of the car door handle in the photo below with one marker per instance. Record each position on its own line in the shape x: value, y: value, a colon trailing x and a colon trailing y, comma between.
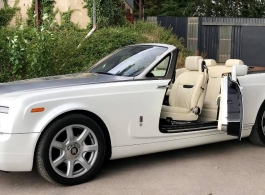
x: 162, y: 86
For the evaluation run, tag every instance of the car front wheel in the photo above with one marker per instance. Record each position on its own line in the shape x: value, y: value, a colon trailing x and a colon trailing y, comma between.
x: 71, y: 150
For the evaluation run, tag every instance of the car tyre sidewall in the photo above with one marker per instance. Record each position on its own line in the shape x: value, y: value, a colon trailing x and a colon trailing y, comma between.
x: 257, y: 136
x: 259, y: 120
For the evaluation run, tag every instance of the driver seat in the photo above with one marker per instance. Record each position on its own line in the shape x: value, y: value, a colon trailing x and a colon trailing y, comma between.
x: 188, y: 92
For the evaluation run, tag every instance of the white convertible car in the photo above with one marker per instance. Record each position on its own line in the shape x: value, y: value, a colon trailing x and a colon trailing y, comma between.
x: 130, y: 103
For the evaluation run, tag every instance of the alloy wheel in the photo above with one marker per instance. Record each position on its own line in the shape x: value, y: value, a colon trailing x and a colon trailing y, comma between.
x: 73, y: 151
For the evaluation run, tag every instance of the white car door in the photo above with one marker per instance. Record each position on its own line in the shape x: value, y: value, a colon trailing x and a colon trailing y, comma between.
x: 151, y: 100
x: 231, y: 104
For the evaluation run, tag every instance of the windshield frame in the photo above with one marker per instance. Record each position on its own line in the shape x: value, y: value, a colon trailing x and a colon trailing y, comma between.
x: 173, y: 52
x: 160, y: 57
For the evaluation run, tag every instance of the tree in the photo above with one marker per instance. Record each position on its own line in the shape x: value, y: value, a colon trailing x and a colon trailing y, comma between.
x: 252, y: 8
x: 165, y: 7
x: 231, y: 8
x: 207, y: 8
x: 175, y: 8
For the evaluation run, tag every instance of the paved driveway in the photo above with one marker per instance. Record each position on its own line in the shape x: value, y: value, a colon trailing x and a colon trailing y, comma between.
x: 223, y: 168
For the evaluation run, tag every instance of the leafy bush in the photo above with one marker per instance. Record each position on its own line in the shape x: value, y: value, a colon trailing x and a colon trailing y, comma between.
x: 27, y: 52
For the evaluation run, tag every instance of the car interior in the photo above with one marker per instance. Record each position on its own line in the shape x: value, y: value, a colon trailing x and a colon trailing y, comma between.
x: 191, y: 102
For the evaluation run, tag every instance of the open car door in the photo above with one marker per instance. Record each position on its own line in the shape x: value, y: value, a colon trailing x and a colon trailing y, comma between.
x: 231, y: 104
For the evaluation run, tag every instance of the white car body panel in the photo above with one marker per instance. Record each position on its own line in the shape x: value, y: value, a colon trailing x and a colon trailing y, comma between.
x: 17, y: 151
x: 184, y: 140
x: 253, y: 95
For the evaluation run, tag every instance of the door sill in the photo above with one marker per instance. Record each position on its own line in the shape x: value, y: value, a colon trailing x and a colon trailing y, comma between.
x: 186, y: 126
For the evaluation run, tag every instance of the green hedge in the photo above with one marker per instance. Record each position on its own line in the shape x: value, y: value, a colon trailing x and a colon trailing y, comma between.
x: 28, y: 53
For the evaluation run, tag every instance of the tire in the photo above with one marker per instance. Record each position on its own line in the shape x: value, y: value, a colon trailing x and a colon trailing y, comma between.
x: 257, y: 135
x: 71, y: 150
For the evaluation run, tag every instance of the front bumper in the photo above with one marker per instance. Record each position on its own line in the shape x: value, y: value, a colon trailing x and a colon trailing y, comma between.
x: 17, y: 151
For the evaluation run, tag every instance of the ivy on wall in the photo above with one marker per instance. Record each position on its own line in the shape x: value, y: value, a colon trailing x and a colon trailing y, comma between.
x: 7, y: 13
x: 109, y: 12
x: 45, y: 7
x: 66, y: 20
x: 31, y: 13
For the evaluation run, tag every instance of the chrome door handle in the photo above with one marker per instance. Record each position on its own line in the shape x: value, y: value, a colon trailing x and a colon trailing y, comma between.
x: 162, y: 86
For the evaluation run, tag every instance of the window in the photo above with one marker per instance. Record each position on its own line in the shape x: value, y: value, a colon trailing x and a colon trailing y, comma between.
x: 161, y: 69
x: 129, y: 61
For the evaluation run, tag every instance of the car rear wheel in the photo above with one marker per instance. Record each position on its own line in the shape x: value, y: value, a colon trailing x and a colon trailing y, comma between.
x: 257, y: 135
x: 71, y: 150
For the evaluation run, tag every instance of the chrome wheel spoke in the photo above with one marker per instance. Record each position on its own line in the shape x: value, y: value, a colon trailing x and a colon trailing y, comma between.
x: 70, y: 168
x: 83, y: 136
x: 90, y: 148
x: 59, y: 160
x: 70, y: 134
x: 84, y: 163
x: 58, y: 145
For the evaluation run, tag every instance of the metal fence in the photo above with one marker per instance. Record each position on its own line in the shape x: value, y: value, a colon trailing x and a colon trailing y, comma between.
x: 220, y: 38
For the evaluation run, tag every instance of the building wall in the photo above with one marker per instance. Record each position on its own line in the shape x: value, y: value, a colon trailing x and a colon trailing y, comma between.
x: 128, y: 7
x: 23, y: 5
x: 1, y: 4
x: 130, y: 3
x: 79, y: 15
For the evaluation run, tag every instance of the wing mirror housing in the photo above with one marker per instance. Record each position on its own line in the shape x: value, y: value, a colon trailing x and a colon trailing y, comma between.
x: 239, y: 70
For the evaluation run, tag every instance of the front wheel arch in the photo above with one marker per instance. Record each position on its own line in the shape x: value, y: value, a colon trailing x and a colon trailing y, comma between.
x: 94, y: 117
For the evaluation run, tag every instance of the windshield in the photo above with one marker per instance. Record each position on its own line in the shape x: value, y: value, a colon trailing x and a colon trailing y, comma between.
x: 129, y: 61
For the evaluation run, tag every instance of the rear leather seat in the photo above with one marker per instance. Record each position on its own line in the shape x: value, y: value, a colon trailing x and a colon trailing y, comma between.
x: 209, y: 111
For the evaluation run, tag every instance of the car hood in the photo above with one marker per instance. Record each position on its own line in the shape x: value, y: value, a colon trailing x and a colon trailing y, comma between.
x: 59, y: 81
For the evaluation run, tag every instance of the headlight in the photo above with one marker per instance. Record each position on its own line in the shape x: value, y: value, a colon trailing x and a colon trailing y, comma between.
x: 4, y: 109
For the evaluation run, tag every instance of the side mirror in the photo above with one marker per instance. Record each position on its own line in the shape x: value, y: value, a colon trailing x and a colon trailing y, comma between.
x: 239, y: 70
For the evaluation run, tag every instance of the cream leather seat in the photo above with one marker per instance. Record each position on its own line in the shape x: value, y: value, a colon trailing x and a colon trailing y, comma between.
x: 186, y: 94
x: 210, y: 108
x: 180, y: 71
